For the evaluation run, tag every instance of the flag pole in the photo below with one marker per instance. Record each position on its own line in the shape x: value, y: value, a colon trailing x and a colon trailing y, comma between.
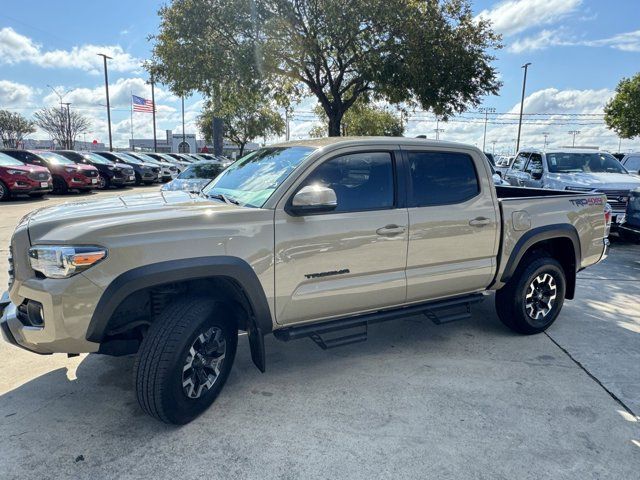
x: 153, y: 103
x: 133, y: 147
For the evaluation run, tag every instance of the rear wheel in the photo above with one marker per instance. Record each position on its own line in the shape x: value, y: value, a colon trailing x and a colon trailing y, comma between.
x: 185, y: 359
x: 532, y: 299
x: 4, y: 191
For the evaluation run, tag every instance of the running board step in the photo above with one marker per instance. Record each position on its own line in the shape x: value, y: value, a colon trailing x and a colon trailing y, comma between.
x: 438, y: 312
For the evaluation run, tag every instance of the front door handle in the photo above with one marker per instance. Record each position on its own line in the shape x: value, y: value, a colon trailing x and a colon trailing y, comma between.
x: 390, y: 230
x: 480, y: 222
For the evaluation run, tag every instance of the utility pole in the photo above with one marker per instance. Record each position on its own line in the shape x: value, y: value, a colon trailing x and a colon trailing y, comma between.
x: 153, y: 102
x: 106, y: 87
x: 286, y: 124
x: 619, y: 144
x: 574, y: 133
x: 546, y: 135
x: 493, y: 150
x: 524, y: 87
x: 183, y: 135
x: 438, y: 130
x: 68, y: 135
x: 486, y: 111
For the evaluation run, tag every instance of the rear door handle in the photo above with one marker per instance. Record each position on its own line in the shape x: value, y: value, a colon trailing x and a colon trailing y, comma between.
x: 390, y: 230
x: 480, y: 222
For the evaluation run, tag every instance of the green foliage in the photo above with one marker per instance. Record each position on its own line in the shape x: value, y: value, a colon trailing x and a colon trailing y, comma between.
x: 13, y: 128
x: 246, y: 117
x: 430, y: 53
x: 622, y: 113
x: 363, y: 120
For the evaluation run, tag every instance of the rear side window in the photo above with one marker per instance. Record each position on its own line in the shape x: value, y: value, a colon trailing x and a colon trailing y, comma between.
x: 440, y: 178
x: 633, y: 163
x: 520, y: 161
x: 362, y: 181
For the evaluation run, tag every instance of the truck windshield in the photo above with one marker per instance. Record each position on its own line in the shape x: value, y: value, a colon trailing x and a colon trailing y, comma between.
x: 208, y: 170
x: 251, y: 180
x: 595, y: 162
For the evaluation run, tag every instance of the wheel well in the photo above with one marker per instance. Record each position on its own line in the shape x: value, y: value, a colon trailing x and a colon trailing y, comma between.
x: 562, y: 250
x: 135, y: 314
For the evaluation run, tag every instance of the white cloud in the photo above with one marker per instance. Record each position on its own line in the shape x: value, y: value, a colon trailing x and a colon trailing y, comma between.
x: 540, y: 41
x: 14, y: 94
x: 17, y: 48
x: 628, y: 42
x: 515, y: 16
x: 119, y: 94
x: 503, y: 128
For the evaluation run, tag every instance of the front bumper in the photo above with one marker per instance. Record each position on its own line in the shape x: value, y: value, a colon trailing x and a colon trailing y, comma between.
x: 66, y: 307
x: 22, y: 187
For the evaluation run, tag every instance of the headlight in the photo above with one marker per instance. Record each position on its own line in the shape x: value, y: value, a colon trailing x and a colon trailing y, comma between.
x: 70, y: 169
x: 62, y: 261
x: 16, y: 172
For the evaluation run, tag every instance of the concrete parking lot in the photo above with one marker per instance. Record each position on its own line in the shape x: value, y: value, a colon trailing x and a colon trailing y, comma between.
x: 464, y: 400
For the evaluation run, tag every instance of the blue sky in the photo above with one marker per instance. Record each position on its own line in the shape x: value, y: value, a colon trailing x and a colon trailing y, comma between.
x: 579, y: 49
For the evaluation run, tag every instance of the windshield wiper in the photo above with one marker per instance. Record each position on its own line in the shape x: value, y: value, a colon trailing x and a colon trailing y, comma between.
x: 224, y: 198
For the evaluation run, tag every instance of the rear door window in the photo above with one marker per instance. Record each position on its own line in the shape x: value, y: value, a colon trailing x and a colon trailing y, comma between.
x: 441, y: 178
x: 520, y: 162
x: 633, y: 163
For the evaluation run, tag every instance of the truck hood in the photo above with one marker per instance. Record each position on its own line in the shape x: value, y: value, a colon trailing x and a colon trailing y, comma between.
x: 612, y: 181
x: 121, y: 213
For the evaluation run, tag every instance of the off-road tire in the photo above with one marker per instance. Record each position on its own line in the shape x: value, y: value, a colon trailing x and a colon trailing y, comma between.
x: 158, y: 368
x: 511, y: 299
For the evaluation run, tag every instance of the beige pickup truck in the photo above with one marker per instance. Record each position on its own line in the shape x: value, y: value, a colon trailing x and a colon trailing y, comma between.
x: 314, y: 239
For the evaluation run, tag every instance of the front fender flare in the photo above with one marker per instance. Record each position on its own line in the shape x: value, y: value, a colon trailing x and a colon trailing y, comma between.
x: 232, y: 268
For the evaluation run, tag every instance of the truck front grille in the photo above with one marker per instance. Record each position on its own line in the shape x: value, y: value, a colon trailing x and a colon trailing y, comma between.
x: 617, y: 199
x: 11, y: 268
x: 40, y: 176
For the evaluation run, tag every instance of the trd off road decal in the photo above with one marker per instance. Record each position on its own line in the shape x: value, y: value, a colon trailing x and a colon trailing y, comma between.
x: 584, y: 202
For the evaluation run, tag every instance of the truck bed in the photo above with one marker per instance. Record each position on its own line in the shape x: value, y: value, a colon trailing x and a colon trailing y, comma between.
x: 526, y: 210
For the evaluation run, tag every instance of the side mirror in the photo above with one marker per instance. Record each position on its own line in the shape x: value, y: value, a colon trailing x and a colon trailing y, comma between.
x: 313, y: 199
x: 536, y: 174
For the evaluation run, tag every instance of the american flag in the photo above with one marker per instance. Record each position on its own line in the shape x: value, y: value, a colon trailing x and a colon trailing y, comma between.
x: 142, y: 104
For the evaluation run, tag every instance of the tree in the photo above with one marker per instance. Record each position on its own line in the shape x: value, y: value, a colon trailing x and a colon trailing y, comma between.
x: 246, y: 116
x: 62, y: 125
x: 363, y: 119
x: 622, y: 112
x: 13, y: 128
x: 432, y: 53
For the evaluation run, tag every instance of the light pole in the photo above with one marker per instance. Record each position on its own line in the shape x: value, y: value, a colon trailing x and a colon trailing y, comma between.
x: 68, y: 135
x: 183, y: 136
x: 106, y: 87
x: 493, y: 150
x: 574, y: 133
x: 524, y: 87
x: 486, y: 111
x: 438, y: 130
x: 153, y: 103
x: 546, y: 135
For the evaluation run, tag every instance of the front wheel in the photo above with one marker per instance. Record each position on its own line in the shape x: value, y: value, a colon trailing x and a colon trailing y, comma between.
x: 532, y: 299
x: 185, y: 359
x: 4, y: 191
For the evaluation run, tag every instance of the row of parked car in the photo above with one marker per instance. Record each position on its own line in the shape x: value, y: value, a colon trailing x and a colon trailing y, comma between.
x: 581, y: 170
x: 36, y: 173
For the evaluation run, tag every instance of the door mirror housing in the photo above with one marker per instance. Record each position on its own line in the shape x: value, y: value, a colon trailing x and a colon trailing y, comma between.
x: 536, y: 174
x: 313, y: 199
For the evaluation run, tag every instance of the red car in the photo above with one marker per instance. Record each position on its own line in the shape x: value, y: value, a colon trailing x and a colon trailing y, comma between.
x: 16, y: 178
x: 67, y: 175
